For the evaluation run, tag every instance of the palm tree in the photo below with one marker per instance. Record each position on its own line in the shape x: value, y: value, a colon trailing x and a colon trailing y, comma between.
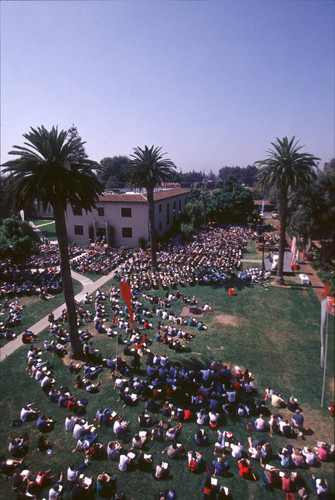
x: 49, y: 170
x: 148, y: 169
x: 285, y: 168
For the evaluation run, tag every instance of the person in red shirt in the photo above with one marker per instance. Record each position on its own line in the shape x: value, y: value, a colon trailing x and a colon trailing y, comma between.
x: 245, y: 468
x: 332, y: 410
x: 286, y: 483
x: 322, y: 452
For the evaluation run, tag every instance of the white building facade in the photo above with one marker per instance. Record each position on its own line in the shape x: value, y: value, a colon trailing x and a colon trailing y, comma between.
x: 122, y: 219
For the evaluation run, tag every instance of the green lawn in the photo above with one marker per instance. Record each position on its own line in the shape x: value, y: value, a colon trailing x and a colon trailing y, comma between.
x: 274, y: 332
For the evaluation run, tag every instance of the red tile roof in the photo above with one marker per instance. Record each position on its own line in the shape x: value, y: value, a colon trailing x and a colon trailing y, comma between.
x: 141, y: 197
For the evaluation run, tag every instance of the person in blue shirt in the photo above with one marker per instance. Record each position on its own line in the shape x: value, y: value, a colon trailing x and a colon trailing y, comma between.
x: 220, y: 467
x: 201, y: 438
x: 285, y: 459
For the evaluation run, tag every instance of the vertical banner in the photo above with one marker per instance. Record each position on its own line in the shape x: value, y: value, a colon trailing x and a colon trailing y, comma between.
x: 126, y: 294
x: 324, y: 307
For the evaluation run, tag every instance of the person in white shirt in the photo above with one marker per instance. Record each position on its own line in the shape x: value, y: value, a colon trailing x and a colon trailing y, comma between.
x: 73, y: 473
x: 260, y: 424
x: 70, y: 422
x: 236, y: 450
x: 309, y: 456
x: 124, y: 463
x: 213, y: 419
x: 202, y: 417
x: 28, y: 412
x: 113, y: 450
x: 78, y: 429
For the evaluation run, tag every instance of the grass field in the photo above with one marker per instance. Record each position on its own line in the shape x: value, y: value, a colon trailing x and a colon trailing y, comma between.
x: 47, y: 227
x: 272, y: 331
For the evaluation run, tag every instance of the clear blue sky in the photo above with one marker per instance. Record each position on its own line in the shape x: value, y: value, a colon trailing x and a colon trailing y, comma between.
x: 212, y: 82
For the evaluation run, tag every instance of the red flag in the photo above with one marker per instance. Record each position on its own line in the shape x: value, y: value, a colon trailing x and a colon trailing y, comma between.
x: 126, y: 294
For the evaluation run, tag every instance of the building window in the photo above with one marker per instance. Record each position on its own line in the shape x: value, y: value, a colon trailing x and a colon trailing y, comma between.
x: 174, y: 205
x: 76, y: 211
x: 160, y: 226
x: 127, y: 232
x: 79, y: 230
x: 101, y: 211
x: 125, y: 212
x: 168, y: 213
x: 160, y: 208
x: 179, y: 205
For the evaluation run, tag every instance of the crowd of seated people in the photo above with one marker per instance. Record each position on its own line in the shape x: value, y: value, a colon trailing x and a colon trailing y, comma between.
x: 208, y: 396
x: 210, y: 258
x: 100, y: 262
x: 17, y: 281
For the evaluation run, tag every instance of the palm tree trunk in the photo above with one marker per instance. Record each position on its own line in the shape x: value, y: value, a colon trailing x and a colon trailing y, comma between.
x: 152, y: 230
x: 282, y: 235
x: 62, y: 238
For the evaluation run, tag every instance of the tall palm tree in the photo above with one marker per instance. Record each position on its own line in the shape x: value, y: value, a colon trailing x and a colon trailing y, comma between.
x: 285, y: 168
x: 49, y: 170
x: 148, y: 169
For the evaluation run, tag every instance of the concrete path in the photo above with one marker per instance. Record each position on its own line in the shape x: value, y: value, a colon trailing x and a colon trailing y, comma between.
x: 88, y: 286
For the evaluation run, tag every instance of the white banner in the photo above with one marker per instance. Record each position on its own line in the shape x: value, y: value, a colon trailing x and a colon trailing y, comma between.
x: 293, y: 244
x: 324, y: 309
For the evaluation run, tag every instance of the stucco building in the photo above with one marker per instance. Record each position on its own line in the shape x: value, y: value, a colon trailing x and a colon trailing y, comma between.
x: 121, y: 219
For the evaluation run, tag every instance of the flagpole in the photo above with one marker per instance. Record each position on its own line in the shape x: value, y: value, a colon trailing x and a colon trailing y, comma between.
x: 325, y: 360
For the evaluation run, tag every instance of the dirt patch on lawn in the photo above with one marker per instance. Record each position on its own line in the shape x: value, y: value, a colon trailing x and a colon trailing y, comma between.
x: 186, y: 312
x: 227, y: 320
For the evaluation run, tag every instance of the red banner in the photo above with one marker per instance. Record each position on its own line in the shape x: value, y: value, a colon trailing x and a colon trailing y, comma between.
x: 126, y: 294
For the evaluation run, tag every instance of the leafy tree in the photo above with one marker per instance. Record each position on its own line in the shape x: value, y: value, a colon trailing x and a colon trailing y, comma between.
x: 148, y: 169
x: 18, y: 241
x: 79, y: 148
x: 7, y: 205
x: 112, y: 173
x: 48, y: 169
x: 286, y: 167
x: 194, y: 213
x: 232, y: 202
x: 245, y: 175
x: 312, y: 211
x: 189, y: 179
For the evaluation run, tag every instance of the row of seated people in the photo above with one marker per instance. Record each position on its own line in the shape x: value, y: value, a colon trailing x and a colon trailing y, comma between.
x: 100, y: 262
x: 30, y: 282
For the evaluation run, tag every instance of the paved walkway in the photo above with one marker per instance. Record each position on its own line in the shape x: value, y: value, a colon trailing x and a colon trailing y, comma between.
x: 88, y: 286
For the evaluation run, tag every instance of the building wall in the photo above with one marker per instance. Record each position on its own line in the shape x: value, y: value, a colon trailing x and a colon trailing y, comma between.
x: 126, y: 229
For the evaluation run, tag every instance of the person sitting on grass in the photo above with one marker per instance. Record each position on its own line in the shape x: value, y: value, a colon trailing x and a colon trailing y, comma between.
x: 113, y: 450
x: 106, y: 485
x: 201, y: 438
x: 7, y: 466
x: 244, y: 468
x: 28, y: 412
x: 285, y: 458
x: 260, y: 424
x: 43, y: 444
x: 45, y: 424
x: 195, y: 460
x: 138, y: 441
x: 173, y: 432
x: 90, y: 387
x: 161, y: 471
x: 220, y: 467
